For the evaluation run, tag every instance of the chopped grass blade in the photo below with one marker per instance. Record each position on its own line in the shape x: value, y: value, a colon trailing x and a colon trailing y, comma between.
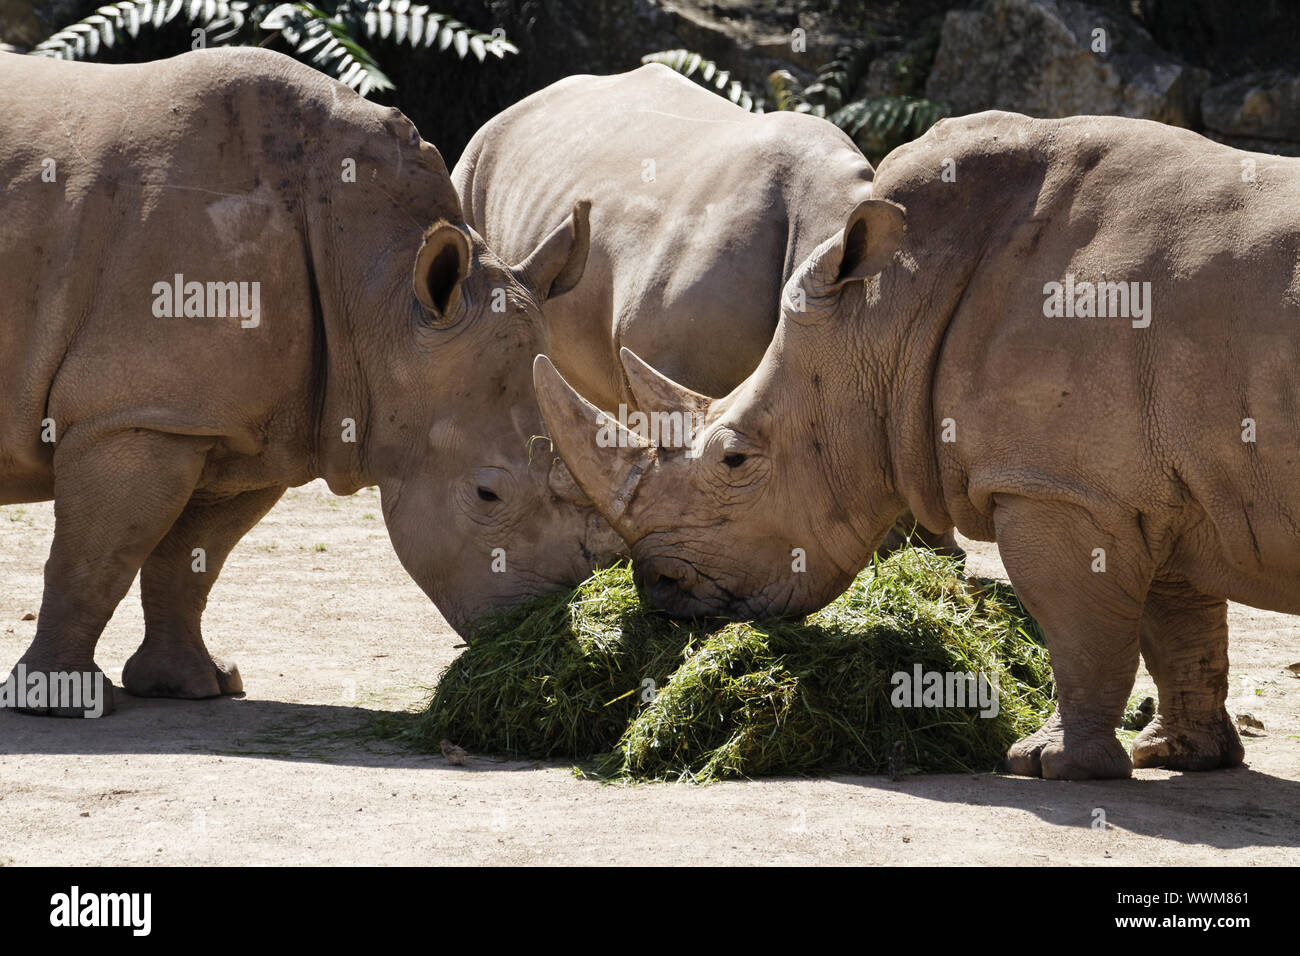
x: 594, y: 675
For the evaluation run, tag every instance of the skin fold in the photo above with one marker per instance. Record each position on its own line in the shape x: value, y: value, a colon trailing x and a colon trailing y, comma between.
x: 1136, y: 472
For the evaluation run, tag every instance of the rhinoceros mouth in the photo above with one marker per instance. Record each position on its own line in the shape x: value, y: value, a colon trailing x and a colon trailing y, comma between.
x: 674, y: 584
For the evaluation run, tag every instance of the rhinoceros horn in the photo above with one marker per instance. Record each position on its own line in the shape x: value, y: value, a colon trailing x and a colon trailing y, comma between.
x: 606, y: 459
x: 656, y: 392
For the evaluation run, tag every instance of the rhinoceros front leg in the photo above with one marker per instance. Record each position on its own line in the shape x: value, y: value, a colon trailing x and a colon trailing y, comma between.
x: 1185, y: 645
x: 1086, y: 589
x: 907, y: 527
x: 174, y: 586
x: 116, y: 495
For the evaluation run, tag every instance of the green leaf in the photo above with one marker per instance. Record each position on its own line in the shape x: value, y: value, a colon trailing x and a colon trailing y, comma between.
x: 879, y: 124
x: 787, y: 93
x: 118, y: 21
x: 711, y: 76
x: 431, y: 29
x: 311, y: 33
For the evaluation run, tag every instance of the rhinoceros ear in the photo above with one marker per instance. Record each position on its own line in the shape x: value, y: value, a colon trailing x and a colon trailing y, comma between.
x: 872, y: 235
x: 440, y: 266
x: 555, y: 266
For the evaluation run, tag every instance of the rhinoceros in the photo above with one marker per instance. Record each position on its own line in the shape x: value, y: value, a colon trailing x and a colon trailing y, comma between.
x: 223, y: 275
x: 700, y: 212
x: 1074, y: 337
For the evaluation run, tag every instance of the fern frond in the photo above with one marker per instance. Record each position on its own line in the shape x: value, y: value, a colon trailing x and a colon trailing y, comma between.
x: 222, y: 20
x: 116, y: 21
x: 838, y: 80
x: 404, y: 22
x: 324, y: 42
x: 708, y: 74
x: 787, y: 93
x: 891, y: 119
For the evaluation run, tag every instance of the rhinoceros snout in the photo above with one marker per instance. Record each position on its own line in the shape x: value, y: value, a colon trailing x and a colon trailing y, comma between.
x: 669, y: 584
x: 665, y: 591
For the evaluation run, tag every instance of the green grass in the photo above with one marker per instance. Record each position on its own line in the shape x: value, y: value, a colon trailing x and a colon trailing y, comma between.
x: 593, y: 675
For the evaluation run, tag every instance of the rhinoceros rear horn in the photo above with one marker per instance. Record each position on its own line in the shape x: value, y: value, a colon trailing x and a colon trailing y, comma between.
x: 655, y: 392
x: 440, y: 266
x: 604, y: 458
x: 555, y: 266
x: 873, y: 233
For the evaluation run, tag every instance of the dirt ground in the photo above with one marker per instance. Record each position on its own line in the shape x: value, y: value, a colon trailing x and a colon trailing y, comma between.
x: 327, y: 628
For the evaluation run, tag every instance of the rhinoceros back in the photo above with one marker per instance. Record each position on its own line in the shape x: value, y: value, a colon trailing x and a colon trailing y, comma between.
x: 1180, y: 261
x: 699, y: 213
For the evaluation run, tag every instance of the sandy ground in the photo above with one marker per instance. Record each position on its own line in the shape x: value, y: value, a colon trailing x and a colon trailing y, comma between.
x: 327, y: 629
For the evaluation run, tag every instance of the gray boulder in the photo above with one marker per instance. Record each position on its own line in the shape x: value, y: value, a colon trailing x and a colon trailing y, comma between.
x: 1052, y: 58
x: 1255, y: 106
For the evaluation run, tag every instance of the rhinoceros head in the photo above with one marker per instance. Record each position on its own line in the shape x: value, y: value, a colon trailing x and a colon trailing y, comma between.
x: 783, y: 490
x: 481, y: 512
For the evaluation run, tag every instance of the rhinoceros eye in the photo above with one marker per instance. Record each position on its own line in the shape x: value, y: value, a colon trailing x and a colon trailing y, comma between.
x: 487, y: 494
x: 733, y: 459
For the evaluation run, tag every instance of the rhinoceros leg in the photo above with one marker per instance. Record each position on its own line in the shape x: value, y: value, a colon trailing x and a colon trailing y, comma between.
x: 116, y: 496
x: 173, y: 660
x: 907, y: 527
x: 1090, y: 619
x: 1185, y: 645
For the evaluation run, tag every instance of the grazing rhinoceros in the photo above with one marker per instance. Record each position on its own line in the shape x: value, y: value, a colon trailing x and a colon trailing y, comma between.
x: 700, y: 213
x: 225, y: 274
x: 1082, y: 347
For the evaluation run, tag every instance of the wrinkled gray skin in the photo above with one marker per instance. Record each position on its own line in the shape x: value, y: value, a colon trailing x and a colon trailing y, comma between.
x: 175, y: 434
x: 700, y: 212
x: 1076, y: 439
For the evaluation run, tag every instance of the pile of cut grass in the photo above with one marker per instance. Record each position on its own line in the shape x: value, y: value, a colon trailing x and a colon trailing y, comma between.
x: 593, y: 675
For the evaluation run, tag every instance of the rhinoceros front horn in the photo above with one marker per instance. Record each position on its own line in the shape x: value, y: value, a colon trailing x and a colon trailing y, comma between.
x: 605, y: 459
x: 655, y: 392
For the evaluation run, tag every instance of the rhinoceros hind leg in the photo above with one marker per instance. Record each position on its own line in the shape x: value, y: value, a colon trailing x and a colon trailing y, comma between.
x: 1185, y: 645
x: 173, y: 661
x: 162, y: 669
x: 1089, y: 612
x: 1211, y: 745
x: 115, y: 496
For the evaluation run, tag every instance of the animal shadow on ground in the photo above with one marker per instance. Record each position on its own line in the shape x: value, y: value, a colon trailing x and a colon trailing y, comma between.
x: 1224, y: 809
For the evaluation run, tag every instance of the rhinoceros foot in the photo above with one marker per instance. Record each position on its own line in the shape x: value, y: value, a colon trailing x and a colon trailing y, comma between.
x: 1183, y: 744
x: 1089, y: 756
x: 65, y: 689
x: 156, y: 670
